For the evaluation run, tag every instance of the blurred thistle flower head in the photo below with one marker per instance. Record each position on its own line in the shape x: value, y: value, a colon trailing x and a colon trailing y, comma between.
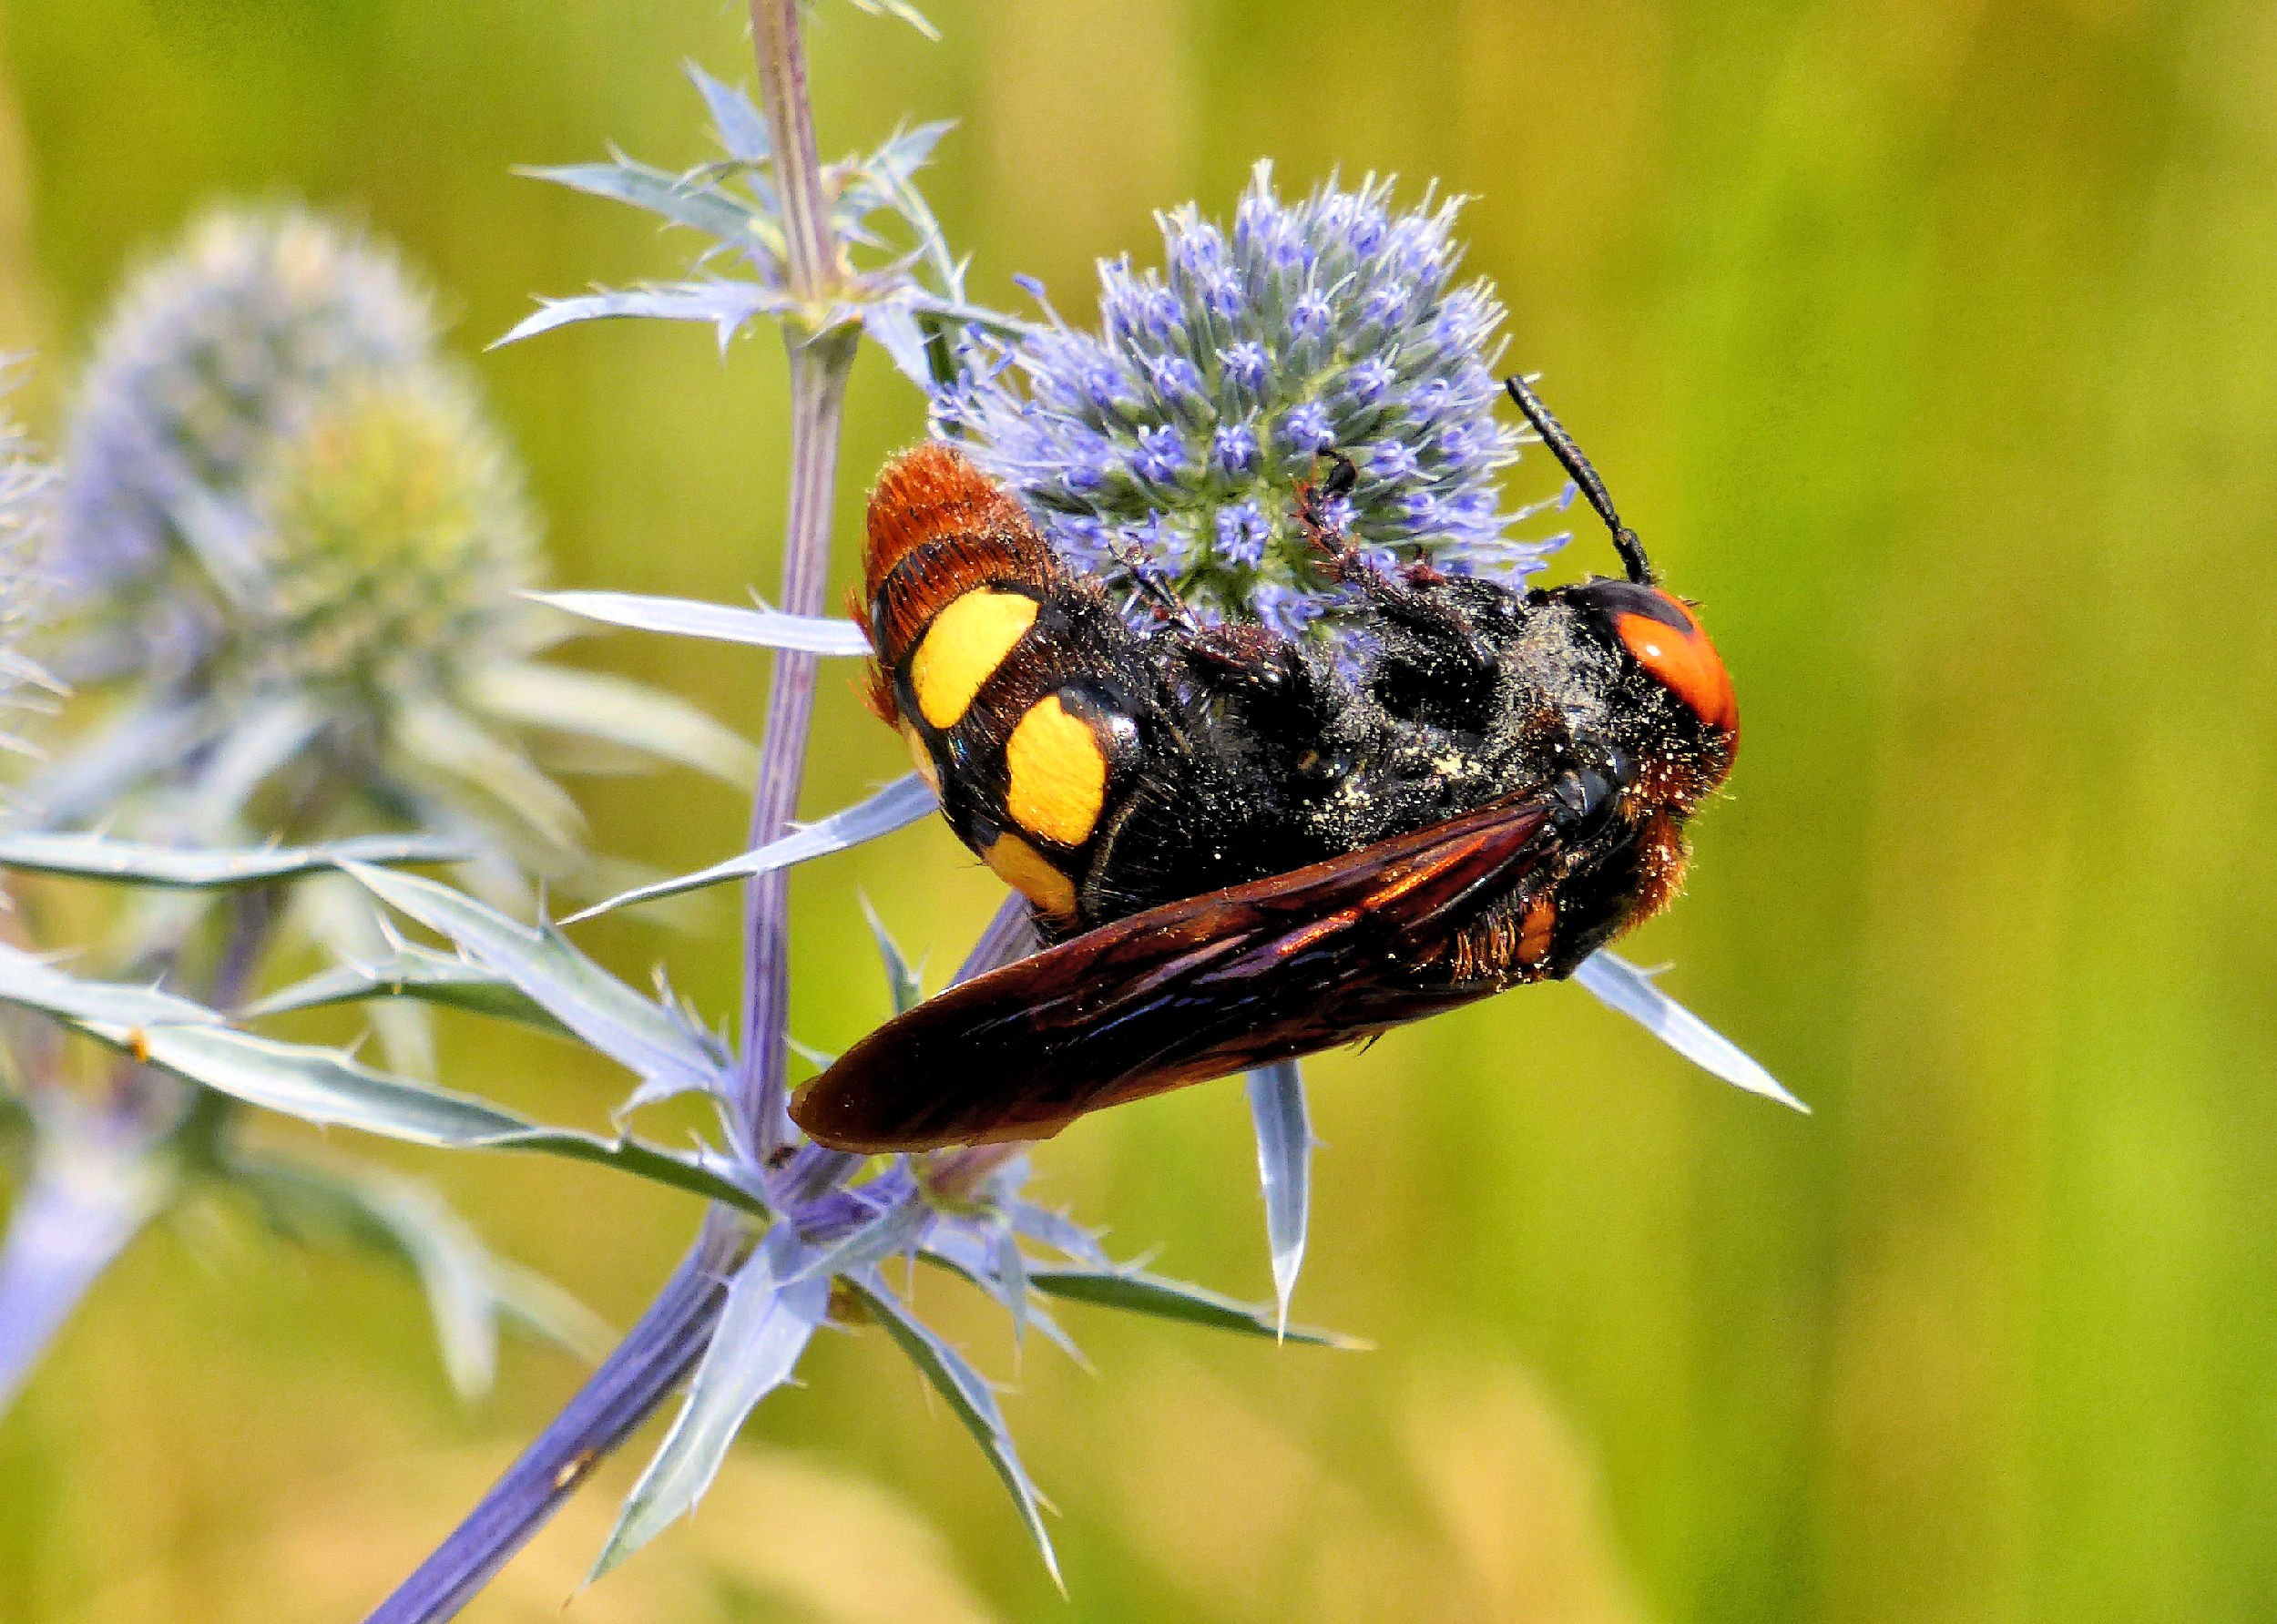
x: 1173, y: 442
x: 395, y: 537
x: 212, y: 352
x: 291, y: 532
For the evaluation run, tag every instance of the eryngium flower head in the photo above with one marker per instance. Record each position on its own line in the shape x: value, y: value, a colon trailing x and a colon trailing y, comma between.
x: 1174, y: 441
x: 298, y: 544
x: 394, y: 537
x: 214, y: 352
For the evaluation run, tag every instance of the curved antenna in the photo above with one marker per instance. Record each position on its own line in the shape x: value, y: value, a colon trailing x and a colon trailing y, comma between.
x: 1578, y: 469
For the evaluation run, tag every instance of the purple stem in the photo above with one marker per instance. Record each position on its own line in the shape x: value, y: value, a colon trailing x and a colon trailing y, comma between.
x: 778, y: 36
x: 627, y: 1388
x: 818, y: 394
x: 660, y: 1350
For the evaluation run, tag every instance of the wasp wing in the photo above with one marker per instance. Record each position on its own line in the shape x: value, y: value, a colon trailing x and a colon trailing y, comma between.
x: 1185, y: 992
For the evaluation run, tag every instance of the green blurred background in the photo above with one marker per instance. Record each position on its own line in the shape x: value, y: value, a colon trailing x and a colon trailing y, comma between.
x: 1931, y: 343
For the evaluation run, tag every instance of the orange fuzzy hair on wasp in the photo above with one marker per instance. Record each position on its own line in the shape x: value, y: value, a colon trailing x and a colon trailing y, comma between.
x: 938, y: 529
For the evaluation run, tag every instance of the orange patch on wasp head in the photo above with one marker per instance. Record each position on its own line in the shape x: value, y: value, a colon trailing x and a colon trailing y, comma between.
x: 1685, y: 662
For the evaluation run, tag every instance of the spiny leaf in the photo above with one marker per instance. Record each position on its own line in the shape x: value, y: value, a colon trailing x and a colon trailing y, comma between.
x: 899, y: 804
x: 639, y: 1034
x: 1135, y: 1291
x: 679, y: 198
x: 894, y: 1231
x: 616, y: 712
x: 983, y: 1259
x: 326, y: 1088
x: 418, y: 973
x: 741, y: 127
x: 969, y: 1397
x: 35, y: 983
x: 902, y: 10
x: 97, y: 857
x: 544, y: 1308
x: 262, y: 739
x: 774, y: 1304
x: 1057, y: 1231
x: 1284, y: 1169
x: 895, y: 327
x: 148, y: 738
x: 1616, y: 981
x: 447, y: 740
x: 902, y: 983
x: 681, y: 617
x: 726, y: 306
x: 884, y: 180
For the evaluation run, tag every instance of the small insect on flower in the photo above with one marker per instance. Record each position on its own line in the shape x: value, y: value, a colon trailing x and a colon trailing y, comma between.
x: 1238, y: 853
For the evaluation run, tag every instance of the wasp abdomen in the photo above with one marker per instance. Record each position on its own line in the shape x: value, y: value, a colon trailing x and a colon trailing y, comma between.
x: 1009, y: 705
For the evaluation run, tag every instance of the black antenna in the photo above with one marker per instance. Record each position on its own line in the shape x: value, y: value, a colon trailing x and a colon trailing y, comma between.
x: 1577, y: 466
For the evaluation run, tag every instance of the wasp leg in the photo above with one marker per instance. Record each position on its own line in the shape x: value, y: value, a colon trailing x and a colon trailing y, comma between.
x: 1447, y: 645
x: 1257, y: 669
x: 1158, y: 594
x: 1313, y: 496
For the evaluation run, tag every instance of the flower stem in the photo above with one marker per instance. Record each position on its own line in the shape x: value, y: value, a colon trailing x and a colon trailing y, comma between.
x: 778, y: 39
x: 629, y: 1385
x: 671, y: 1336
x: 818, y: 395
x: 819, y: 364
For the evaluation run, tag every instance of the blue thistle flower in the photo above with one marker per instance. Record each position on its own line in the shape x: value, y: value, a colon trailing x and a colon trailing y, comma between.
x: 1213, y: 386
x: 215, y: 352
x: 284, y: 506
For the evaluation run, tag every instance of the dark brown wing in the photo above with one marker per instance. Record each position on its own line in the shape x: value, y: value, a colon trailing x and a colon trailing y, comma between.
x: 1184, y: 992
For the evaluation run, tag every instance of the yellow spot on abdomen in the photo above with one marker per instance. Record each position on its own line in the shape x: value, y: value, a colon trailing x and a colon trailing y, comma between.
x: 965, y: 642
x: 1022, y: 867
x: 922, y: 759
x: 1057, y: 773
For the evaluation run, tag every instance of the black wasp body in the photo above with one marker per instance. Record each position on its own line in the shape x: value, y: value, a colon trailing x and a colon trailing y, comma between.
x: 1234, y: 852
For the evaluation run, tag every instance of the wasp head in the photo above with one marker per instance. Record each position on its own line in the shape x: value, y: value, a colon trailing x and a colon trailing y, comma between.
x: 1681, y: 710
x: 1676, y: 696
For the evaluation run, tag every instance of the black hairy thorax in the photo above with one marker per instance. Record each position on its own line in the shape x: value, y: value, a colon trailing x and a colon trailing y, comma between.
x: 1259, y: 756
